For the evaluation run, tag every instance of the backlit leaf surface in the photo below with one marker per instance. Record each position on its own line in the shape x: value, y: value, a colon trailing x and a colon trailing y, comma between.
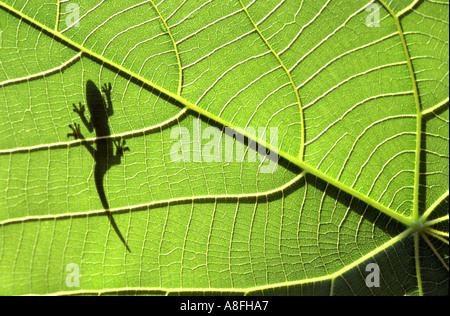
x: 361, y: 115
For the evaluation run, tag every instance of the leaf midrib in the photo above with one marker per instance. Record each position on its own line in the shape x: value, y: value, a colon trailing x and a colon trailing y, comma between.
x: 407, y: 221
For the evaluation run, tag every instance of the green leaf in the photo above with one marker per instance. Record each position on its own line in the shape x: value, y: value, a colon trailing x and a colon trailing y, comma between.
x: 360, y: 112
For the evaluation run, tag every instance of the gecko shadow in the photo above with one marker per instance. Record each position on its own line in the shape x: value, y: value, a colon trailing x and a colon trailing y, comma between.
x: 100, y: 109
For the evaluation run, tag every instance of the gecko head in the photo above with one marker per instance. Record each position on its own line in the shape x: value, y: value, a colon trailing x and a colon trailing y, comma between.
x: 91, y: 89
x: 95, y: 103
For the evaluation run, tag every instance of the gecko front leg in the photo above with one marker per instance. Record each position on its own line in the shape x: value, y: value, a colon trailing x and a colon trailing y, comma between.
x: 76, y: 131
x: 80, y: 110
x: 106, y: 89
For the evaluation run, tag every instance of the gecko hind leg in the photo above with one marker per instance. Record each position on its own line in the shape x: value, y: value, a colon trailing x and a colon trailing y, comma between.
x: 76, y: 131
x: 120, y: 146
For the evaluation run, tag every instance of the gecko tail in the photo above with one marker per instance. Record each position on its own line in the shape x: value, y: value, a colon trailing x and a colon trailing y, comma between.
x: 99, y: 183
x: 116, y: 228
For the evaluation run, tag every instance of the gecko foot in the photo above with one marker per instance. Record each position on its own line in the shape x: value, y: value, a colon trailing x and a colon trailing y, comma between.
x: 80, y: 110
x: 120, y: 145
x: 106, y: 88
x: 76, y: 132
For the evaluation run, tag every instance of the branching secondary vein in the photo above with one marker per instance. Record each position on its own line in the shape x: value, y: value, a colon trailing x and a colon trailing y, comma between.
x: 157, y: 203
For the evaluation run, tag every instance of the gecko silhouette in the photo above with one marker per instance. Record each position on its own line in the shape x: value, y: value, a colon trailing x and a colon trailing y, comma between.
x: 100, y: 109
